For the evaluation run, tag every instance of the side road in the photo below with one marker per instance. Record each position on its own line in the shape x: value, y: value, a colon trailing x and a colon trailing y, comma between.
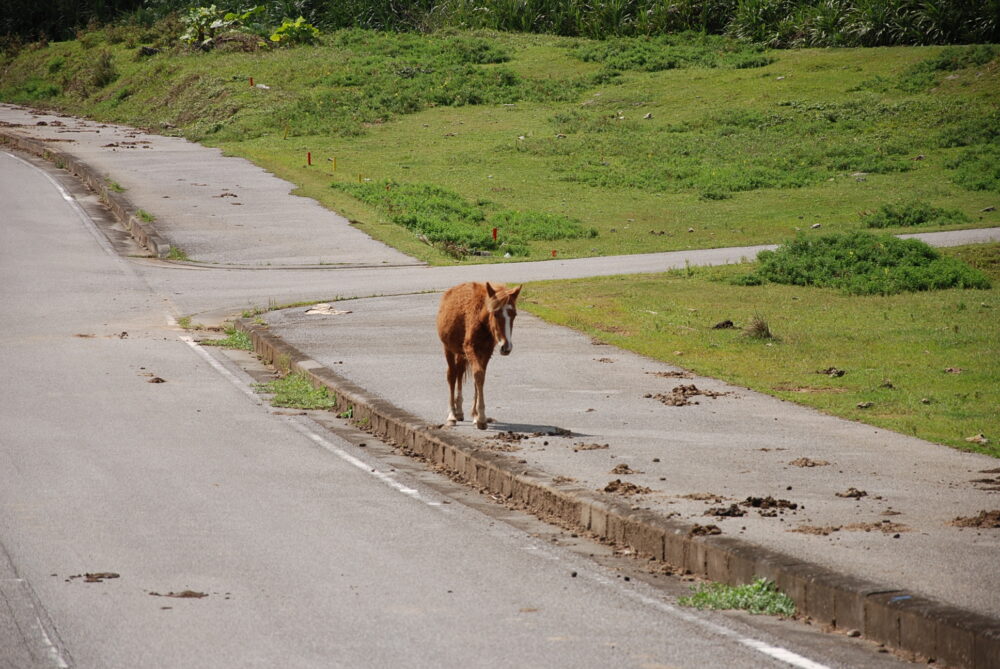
x: 573, y: 418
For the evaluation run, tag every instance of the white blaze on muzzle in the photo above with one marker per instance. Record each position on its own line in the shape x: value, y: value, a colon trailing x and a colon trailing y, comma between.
x: 505, y: 344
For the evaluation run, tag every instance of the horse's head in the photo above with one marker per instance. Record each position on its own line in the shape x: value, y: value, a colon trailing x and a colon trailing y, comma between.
x: 502, y: 307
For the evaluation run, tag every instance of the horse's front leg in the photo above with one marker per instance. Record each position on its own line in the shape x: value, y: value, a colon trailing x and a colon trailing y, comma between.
x: 478, y: 399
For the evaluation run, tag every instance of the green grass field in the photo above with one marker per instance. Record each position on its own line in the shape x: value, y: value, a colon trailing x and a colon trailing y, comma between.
x: 623, y: 146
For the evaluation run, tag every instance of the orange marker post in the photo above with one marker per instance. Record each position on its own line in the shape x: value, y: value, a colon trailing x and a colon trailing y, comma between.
x: 494, y: 234
x: 309, y: 158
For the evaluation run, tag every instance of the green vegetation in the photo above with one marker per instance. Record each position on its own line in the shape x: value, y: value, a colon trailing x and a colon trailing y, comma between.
x: 145, y: 215
x: 296, y: 391
x: 761, y: 596
x: 928, y: 361
x: 234, y: 338
x: 444, y: 218
x: 861, y: 263
x: 177, y: 253
x: 910, y: 214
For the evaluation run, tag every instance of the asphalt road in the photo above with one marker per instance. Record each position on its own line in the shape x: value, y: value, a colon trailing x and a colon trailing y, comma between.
x: 127, y: 450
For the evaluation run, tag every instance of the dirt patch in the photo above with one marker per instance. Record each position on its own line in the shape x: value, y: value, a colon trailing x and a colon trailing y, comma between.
x: 94, y: 577
x: 815, y: 529
x: 731, y: 511
x: 852, y: 493
x: 831, y: 371
x: 624, y: 469
x: 985, y: 519
x: 704, y: 497
x: 672, y: 375
x: 769, y: 507
x: 589, y: 447
x: 704, y: 530
x: 806, y: 462
x: 183, y: 594
x: 680, y: 395
x: 620, y: 487
x: 793, y: 388
x: 885, y: 527
x: 510, y: 437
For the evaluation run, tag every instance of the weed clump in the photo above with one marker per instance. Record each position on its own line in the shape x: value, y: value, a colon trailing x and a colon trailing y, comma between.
x: 862, y: 263
x: 669, y: 52
x: 913, y: 213
x: 296, y: 391
x: 978, y: 168
x: 761, y: 596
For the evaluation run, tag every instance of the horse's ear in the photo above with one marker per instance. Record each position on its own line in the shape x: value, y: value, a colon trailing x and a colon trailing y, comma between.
x: 489, y: 290
x: 512, y: 298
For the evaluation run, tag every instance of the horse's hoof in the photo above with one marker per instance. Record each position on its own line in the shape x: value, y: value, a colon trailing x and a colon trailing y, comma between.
x: 459, y: 416
x: 491, y: 420
x: 450, y: 422
x: 481, y: 426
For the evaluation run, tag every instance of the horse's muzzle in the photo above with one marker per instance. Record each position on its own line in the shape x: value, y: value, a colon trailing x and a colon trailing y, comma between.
x: 506, y: 348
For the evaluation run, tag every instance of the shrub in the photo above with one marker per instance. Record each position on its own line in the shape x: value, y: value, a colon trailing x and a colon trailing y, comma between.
x: 536, y: 225
x: 295, y: 32
x: 862, y: 263
x: 978, y: 168
x: 909, y: 214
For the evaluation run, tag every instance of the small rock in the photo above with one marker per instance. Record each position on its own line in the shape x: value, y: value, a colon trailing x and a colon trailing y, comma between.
x: 978, y: 439
x: 853, y: 633
x: 816, y: 226
x: 988, y: 209
x: 723, y: 325
x: 648, y: 116
x: 865, y: 405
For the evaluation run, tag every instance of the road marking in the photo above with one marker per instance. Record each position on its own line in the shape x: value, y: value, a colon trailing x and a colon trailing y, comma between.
x: 311, y: 434
x: 18, y: 600
x: 74, y: 205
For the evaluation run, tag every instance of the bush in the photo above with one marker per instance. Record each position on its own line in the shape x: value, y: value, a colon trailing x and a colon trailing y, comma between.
x: 862, y: 263
x: 911, y: 214
x: 978, y: 168
x: 295, y: 32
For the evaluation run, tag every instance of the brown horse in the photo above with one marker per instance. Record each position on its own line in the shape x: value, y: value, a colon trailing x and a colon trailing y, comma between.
x: 472, y: 320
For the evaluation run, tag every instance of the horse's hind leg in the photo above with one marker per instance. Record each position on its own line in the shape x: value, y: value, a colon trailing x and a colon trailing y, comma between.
x: 456, y: 371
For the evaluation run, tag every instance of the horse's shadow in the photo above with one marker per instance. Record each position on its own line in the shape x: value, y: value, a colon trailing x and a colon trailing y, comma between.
x: 550, y: 430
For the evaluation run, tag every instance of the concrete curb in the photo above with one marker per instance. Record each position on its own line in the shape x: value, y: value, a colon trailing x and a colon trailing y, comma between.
x: 120, y: 206
x: 896, y: 618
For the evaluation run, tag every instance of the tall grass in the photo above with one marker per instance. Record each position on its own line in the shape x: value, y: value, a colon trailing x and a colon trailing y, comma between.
x: 775, y: 23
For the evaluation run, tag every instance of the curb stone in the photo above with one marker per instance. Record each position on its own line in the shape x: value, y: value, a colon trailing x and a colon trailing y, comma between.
x: 122, y: 208
x: 906, y: 622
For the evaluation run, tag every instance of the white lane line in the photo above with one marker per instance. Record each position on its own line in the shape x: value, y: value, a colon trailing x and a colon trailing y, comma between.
x: 782, y: 654
x: 74, y: 205
x: 311, y: 434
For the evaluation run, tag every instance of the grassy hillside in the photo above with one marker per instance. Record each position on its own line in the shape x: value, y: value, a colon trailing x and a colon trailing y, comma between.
x: 655, y: 144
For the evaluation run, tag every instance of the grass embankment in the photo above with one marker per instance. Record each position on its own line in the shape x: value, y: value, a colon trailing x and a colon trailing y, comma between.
x: 928, y: 362
x: 652, y: 144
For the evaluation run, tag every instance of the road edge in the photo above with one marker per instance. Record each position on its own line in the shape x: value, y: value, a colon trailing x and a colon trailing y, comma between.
x: 901, y: 620
x: 122, y: 208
